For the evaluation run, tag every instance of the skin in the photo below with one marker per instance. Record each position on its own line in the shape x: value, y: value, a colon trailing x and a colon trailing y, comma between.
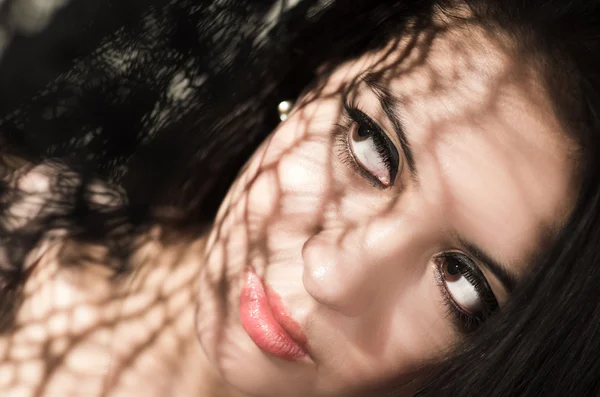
x: 353, y: 263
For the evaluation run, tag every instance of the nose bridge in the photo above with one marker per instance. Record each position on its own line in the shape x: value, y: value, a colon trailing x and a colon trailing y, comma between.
x: 346, y: 269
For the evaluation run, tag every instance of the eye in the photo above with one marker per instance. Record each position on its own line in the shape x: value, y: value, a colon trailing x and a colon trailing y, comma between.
x: 462, y: 290
x: 371, y: 148
x: 465, y: 288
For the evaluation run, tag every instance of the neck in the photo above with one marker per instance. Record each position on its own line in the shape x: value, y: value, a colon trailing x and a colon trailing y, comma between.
x: 155, y: 350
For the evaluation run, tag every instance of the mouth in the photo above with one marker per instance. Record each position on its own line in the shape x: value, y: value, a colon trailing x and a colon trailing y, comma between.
x: 265, y: 319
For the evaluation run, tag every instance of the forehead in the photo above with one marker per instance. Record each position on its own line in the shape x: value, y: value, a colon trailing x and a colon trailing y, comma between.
x: 490, y: 149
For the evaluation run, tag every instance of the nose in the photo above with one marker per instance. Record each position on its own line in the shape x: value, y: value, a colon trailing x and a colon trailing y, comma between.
x: 350, y: 269
x: 347, y: 271
x: 335, y: 272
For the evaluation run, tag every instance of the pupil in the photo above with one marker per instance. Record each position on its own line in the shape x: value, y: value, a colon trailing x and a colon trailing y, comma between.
x: 453, y: 268
x: 363, y: 131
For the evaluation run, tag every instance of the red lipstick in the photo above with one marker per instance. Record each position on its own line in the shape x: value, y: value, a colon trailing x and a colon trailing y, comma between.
x: 266, y: 321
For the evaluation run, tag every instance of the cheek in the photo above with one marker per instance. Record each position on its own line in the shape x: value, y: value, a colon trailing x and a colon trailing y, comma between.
x: 401, y: 327
x: 290, y: 179
x: 278, y: 200
x: 412, y: 329
x: 304, y: 179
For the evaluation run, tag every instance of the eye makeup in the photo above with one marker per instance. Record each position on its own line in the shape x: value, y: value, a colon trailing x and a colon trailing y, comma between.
x: 367, y: 149
x: 466, y: 292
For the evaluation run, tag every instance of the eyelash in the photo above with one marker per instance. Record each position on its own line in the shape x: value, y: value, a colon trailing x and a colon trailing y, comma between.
x: 385, y: 148
x: 465, y: 321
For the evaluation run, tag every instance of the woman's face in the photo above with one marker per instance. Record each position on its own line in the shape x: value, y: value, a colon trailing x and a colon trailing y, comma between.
x: 384, y: 220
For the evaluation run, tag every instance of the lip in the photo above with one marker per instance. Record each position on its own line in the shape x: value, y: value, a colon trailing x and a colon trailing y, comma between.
x: 266, y: 320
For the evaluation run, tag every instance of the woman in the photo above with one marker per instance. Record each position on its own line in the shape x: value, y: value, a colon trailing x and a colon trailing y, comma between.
x: 424, y: 222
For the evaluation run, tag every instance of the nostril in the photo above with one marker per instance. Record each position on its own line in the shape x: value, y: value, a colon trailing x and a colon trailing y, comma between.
x: 317, y: 229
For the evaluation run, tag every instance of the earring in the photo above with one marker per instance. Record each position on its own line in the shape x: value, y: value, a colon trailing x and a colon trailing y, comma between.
x: 284, y: 108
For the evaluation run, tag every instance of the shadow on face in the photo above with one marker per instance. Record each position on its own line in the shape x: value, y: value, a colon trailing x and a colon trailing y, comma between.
x: 392, y: 213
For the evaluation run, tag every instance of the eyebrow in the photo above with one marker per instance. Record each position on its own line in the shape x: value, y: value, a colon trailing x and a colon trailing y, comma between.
x: 498, y: 269
x: 390, y: 105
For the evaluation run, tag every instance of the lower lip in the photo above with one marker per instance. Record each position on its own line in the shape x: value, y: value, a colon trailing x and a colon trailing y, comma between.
x: 267, y: 323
